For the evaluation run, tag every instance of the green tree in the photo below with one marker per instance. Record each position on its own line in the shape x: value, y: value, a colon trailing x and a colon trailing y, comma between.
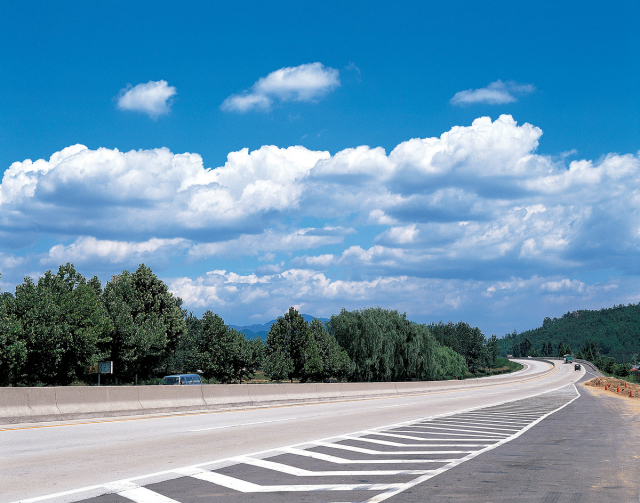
x: 623, y: 370
x: 147, y: 322
x: 64, y: 325
x: 610, y: 365
x: 225, y: 353
x: 291, y: 351
x: 525, y: 347
x: 451, y: 365
x: 385, y: 346
x: 493, y: 348
x: 463, y: 339
x: 13, y: 350
x: 335, y: 360
x: 561, y: 350
x: 186, y: 358
x: 253, y: 352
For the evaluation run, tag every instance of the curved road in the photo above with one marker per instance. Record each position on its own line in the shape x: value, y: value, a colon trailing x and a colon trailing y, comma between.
x: 63, y: 457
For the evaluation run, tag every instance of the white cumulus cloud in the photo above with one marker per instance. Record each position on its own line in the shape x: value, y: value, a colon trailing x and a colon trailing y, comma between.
x: 153, y: 98
x: 308, y: 82
x: 496, y: 93
x: 433, y: 226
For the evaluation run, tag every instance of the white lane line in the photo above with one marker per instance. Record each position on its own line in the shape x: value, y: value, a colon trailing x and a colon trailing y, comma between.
x: 244, y: 424
x: 468, y: 430
x: 249, y: 487
x: 299, y: 472
x: 144, y: 495
x: 398, y: 444
x: 399, y: 405
x: 343, y: 461
x: 464, y: 436
x: 483, y: 426
x: 377, y: 453
x: 499, y: 413
x: 493, y: 421
x: 409, y: 437
x: 485, y: 440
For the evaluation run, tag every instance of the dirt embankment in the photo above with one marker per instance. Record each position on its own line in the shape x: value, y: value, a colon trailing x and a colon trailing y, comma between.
x: 616, y: 386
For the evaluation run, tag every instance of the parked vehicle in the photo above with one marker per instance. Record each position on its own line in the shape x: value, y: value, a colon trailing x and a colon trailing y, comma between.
x: 182, y: 379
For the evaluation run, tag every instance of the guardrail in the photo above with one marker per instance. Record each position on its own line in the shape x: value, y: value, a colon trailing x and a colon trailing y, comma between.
x: 20, y: 405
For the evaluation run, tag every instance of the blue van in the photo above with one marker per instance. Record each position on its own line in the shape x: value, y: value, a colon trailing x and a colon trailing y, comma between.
x: 182, y: 379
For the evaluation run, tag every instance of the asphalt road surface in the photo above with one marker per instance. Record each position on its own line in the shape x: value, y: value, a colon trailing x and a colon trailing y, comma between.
x: 441, y: 446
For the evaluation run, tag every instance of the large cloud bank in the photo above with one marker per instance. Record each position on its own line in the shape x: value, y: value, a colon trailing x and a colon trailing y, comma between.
x: 472, y: 220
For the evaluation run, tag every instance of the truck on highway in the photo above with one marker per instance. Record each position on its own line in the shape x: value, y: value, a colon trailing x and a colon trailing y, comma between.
x: 568, y: 358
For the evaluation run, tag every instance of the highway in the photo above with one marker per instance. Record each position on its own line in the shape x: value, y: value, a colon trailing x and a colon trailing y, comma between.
x: 357, y: 450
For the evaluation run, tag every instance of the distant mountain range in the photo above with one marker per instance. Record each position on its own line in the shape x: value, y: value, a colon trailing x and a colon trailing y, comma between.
x: 261, y: 331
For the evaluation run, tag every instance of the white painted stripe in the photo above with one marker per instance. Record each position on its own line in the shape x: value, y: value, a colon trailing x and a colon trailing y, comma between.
x: 398, y: 444
x: 409, y: 437
x: 244, y: 424
x: 492, y: 421
x: 471, y: 425
x: 249, y: 487
x: 299, y: 472
x: 144, y: 495
x: 419, y: 480
x: 342, y: 461
x: 474, y: 431
x: 390, y: 453
x: 491, y: 436
x: 486, y: 440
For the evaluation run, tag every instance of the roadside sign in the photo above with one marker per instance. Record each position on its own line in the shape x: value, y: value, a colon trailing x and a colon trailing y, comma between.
x: 105, y: 368
x: 93, y: 369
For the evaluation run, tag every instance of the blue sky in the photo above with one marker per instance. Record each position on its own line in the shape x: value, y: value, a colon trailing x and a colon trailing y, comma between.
x: 454, y: 160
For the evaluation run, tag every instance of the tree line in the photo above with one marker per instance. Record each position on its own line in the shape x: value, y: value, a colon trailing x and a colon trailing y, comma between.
x: 600, y: 336
x: 53, y: 329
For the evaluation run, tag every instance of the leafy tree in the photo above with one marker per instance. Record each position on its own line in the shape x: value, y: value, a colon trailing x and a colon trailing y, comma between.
x: 526, y: 347
x: 384, y: 346
x: 13, y: 350
x: 225, y: 353
x: 335, y: 360
x: 63, y: 325
x: 451, y: 365
x: 186, y: 357
x: 610, y: 365
x: 623, y: 370
x: 493, y: 348
x: 147, y: 322
x: 253, y: 355
x: 561, y: 349
x: 291, y: 351
x: 463, y: 339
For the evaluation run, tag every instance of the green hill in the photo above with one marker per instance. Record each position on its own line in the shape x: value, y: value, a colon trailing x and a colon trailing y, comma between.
x: 616, y: 332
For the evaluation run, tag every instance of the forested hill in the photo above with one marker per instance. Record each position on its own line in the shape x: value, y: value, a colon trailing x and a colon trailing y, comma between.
x: 616, y: 332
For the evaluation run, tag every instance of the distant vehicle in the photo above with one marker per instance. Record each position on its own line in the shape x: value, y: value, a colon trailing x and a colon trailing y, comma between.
x: 568, y: 358
x: 577, y: 366
x: 182, y: 379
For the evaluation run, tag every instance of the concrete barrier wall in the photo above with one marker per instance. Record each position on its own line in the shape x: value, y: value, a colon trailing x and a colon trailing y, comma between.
x: 77, y: 402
